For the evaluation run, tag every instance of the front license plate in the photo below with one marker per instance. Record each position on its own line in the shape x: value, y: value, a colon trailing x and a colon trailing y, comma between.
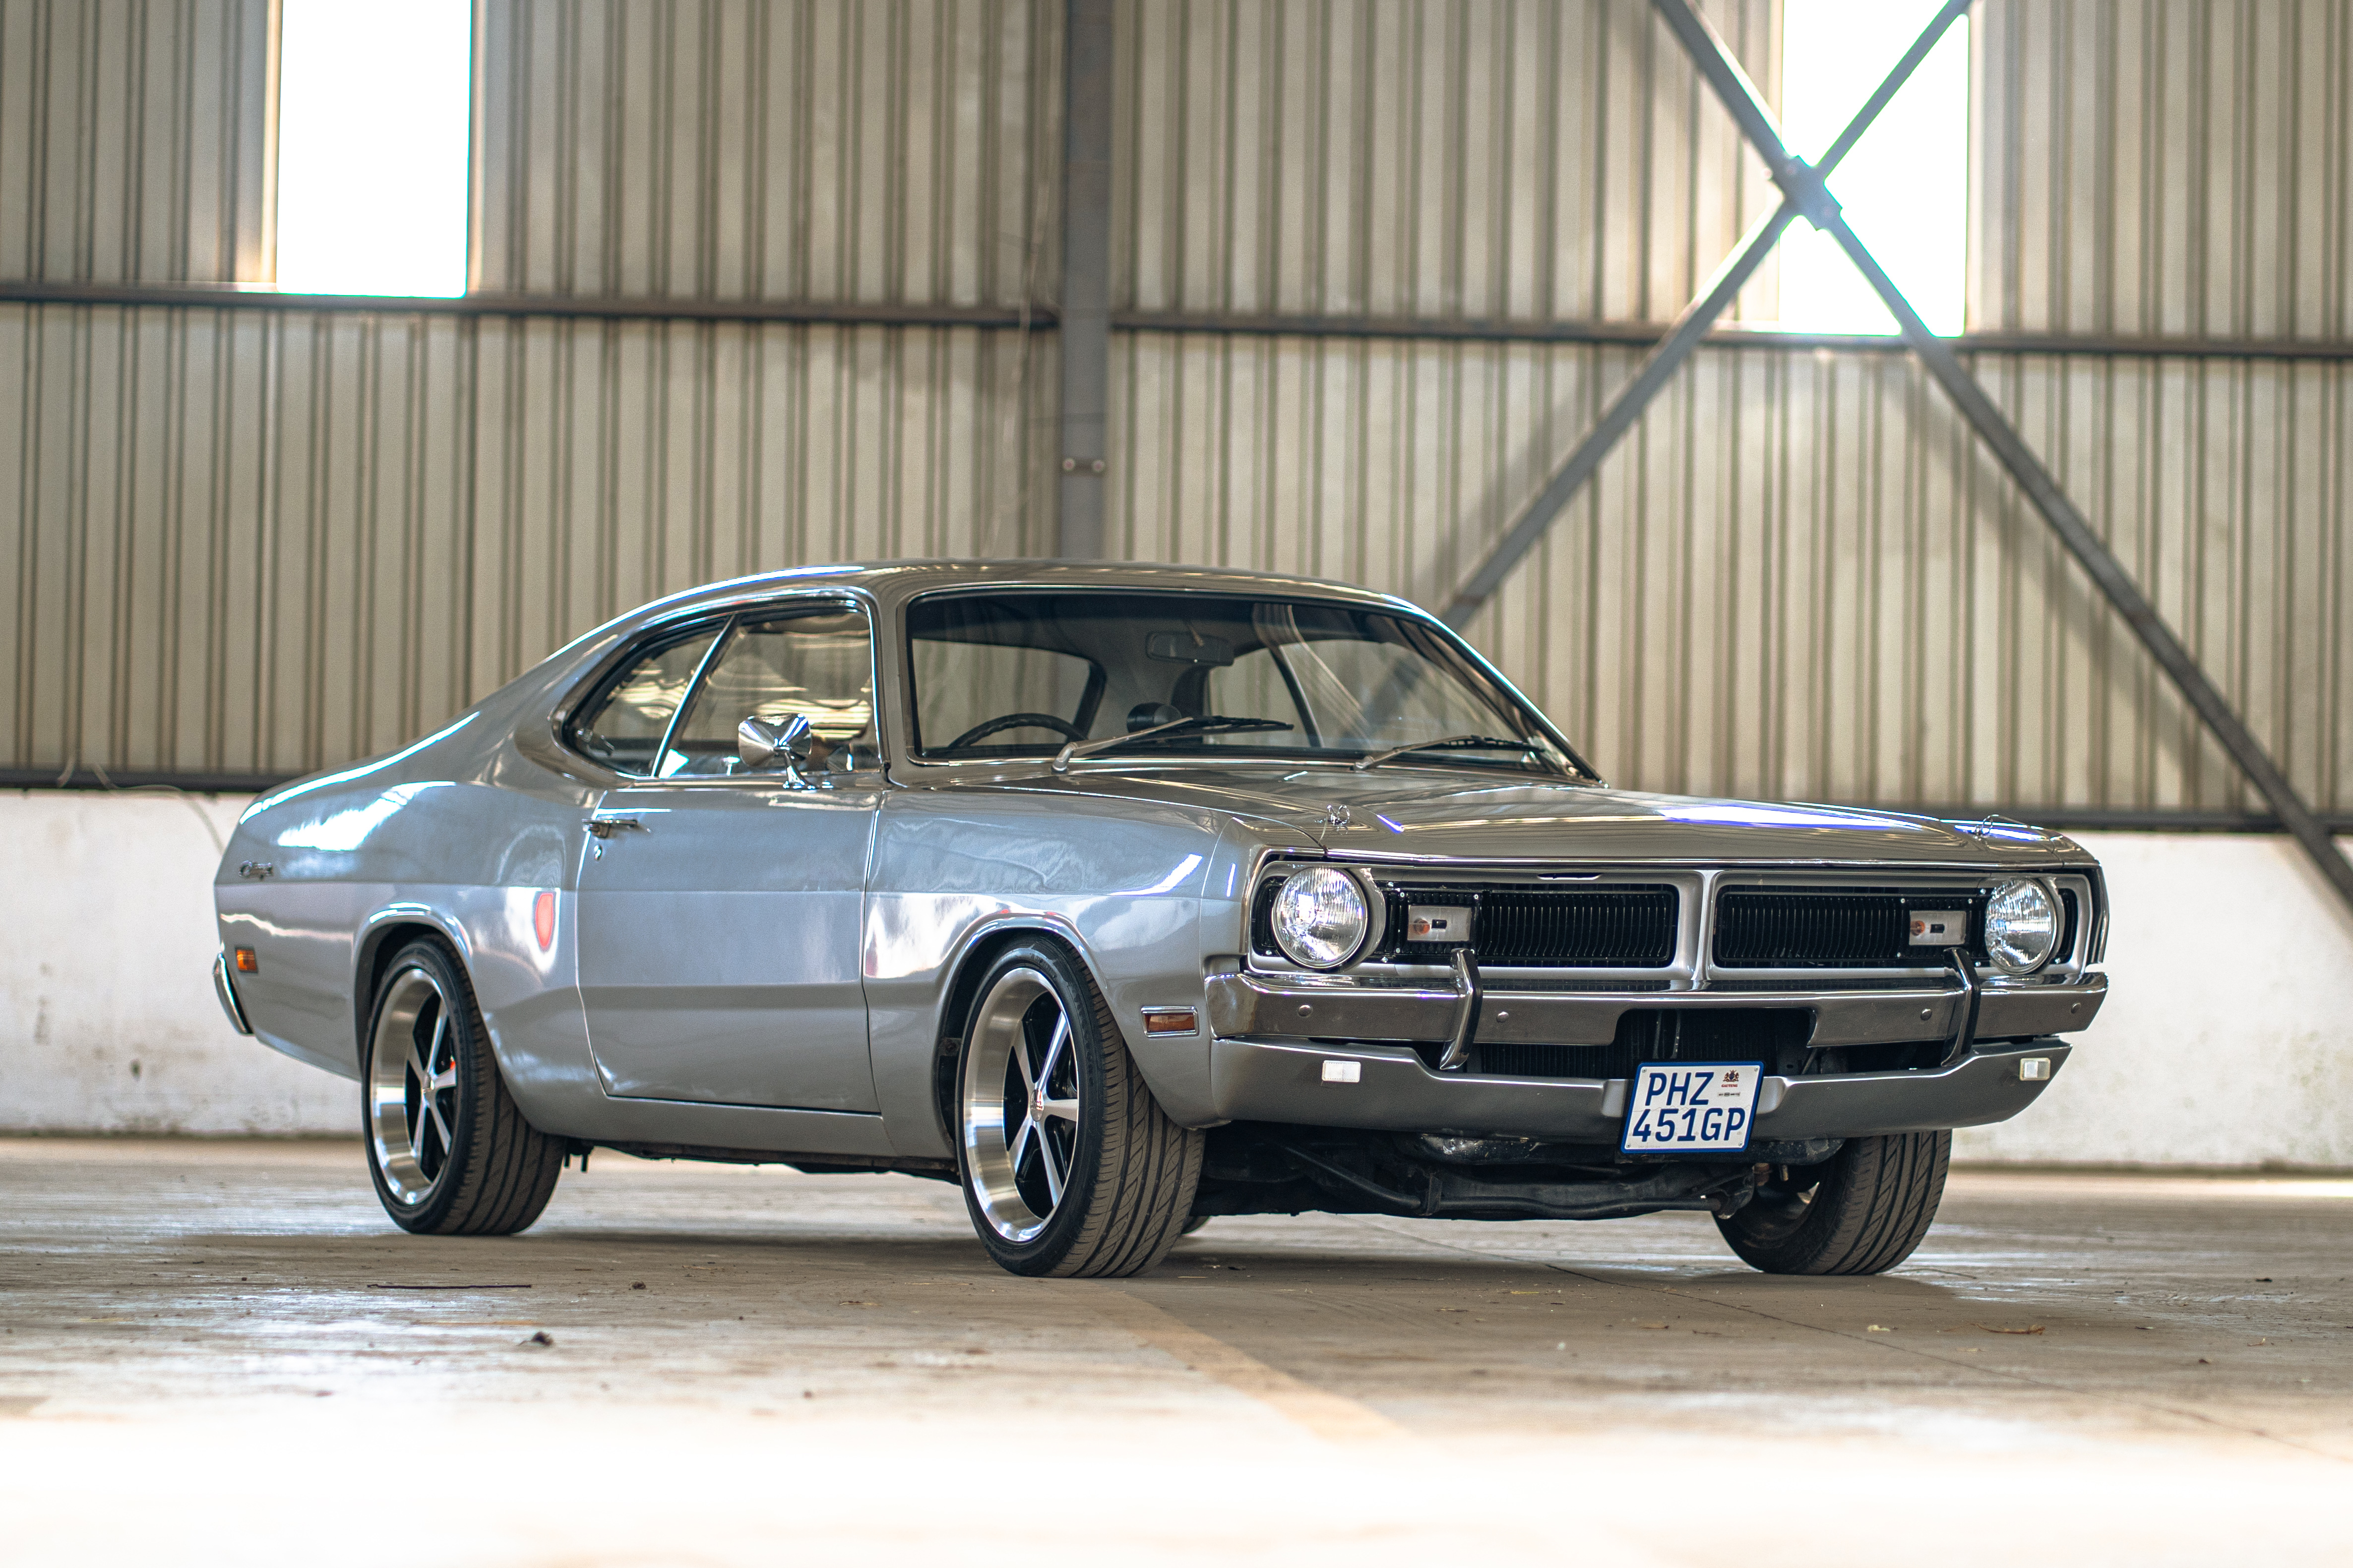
x: 1691, y: 1107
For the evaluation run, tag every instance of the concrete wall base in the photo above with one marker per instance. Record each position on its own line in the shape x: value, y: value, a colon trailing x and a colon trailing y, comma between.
x: 2227, y: 1040
x: 107, y: 1017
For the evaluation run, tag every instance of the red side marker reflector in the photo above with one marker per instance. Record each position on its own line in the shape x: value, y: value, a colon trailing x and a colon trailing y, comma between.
x: 247, y: 963
x: 543, y: 920
x: 1169, y: 1021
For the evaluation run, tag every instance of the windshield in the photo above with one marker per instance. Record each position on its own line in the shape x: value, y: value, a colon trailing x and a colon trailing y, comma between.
x: 1025, y: 674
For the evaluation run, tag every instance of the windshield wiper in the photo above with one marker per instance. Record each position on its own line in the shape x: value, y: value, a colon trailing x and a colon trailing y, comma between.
x: 1449, y: 743
x: 1206, y: 724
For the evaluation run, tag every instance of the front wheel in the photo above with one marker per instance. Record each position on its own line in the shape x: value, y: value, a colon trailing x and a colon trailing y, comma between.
x: 450, y: 1152
x: 1070, y: 1166
x: 1862, y: 1211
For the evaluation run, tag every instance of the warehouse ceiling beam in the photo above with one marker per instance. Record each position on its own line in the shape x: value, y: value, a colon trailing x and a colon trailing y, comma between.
x: 1803, y: 193
x: 1805, y: 190
x: 1084, y: 317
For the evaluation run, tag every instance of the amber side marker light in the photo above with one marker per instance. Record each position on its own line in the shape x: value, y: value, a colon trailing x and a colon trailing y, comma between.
x: 1169, y: 1021
x: 245, y: 962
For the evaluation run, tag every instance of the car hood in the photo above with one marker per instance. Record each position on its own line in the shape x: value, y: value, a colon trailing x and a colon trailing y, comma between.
x: 1419, y: 814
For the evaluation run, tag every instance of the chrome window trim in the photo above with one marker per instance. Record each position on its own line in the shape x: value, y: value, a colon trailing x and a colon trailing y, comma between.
x: 693, y: 689
x: 726, y: 617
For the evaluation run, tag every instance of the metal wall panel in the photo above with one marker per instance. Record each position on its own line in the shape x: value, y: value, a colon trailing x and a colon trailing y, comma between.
x: 901, y: 151
x: 133, y: 140
x: 234, y: 541
x: 1449, y: 158
x: 262, y: 542
x: 258, y: 542
x: 2162, y: 166
x: 621, y: 461
x: 1799, y: 578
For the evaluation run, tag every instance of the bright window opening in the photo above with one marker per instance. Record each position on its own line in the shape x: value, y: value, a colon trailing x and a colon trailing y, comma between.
x: 1904, y: 187
x: 373, y: 117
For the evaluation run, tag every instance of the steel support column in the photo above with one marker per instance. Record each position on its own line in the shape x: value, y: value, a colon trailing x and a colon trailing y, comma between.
x: 1085, y: 312
x: 1739, y: 96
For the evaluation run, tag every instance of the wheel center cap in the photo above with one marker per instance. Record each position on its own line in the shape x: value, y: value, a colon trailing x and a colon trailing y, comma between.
x: 1037, y: 1105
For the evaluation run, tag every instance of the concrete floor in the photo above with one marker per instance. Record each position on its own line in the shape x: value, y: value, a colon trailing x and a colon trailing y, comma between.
x: 223, y: 1352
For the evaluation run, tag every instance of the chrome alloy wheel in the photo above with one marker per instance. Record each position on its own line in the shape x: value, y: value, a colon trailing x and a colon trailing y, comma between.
x: 1019, y: 1101
x: 412, y: 1088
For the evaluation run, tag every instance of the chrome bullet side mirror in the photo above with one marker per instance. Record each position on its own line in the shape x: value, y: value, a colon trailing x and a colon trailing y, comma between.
x: 759, y: 742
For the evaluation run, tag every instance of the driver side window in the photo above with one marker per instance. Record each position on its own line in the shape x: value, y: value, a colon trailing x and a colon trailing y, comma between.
x: 818, y: 664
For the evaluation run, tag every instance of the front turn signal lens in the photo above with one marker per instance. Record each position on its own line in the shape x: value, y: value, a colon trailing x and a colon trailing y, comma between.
x: 247, y: 963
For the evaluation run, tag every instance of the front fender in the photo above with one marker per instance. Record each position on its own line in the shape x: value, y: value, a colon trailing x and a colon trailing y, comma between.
x: 1121, y: 882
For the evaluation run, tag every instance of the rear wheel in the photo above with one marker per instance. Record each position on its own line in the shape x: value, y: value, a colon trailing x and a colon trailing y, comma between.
x: 1860, y: 1212
x: 1070, y: 1166
x: 449, y: 1151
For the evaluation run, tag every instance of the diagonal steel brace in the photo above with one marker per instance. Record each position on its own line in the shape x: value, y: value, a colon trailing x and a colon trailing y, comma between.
x: 1803, y: 193
x: 1803, y: 190
x: 1716, y: 65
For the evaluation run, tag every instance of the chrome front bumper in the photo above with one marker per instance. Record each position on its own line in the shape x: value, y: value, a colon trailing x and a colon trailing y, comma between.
x: 1271, y: 1035
x: 1257, y: 1080
x: 1332, y: 1007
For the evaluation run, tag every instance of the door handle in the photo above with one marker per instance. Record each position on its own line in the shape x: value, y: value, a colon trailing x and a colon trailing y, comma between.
x: 606, y: 826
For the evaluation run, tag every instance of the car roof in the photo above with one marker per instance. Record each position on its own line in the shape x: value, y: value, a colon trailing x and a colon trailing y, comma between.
x: 893, y: 582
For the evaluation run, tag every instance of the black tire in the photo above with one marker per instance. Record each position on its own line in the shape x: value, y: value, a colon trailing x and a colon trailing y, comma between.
x: 1128, y: 1173
x: 1860, y: 1212
x: 451, y: 1155
x: 1195, y: 1223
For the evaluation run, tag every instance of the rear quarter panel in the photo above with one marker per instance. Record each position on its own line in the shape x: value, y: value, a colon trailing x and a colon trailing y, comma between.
x: 449, y: 836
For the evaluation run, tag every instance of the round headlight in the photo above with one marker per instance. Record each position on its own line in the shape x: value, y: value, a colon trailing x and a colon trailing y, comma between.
x: 1320, y: 918
x: 2022, y: 927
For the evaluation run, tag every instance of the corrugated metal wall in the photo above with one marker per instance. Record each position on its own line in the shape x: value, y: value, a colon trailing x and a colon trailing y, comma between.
x: 133, y: 140
x: 259, y: 541
x: 2171, y: 170
x: 2163, y: 167
x: 1800, y: 576
x: 1428, y: 158
x: 904, y: 150
x: 621, y: 461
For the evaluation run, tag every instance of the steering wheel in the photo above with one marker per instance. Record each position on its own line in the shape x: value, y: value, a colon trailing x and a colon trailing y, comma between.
x: 1017, y: 722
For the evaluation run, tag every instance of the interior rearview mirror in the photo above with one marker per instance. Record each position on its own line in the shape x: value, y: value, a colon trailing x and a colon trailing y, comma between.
x: 759, y: 742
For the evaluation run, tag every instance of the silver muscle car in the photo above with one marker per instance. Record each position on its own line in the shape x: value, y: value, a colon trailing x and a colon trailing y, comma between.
x: 1126, y: 896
